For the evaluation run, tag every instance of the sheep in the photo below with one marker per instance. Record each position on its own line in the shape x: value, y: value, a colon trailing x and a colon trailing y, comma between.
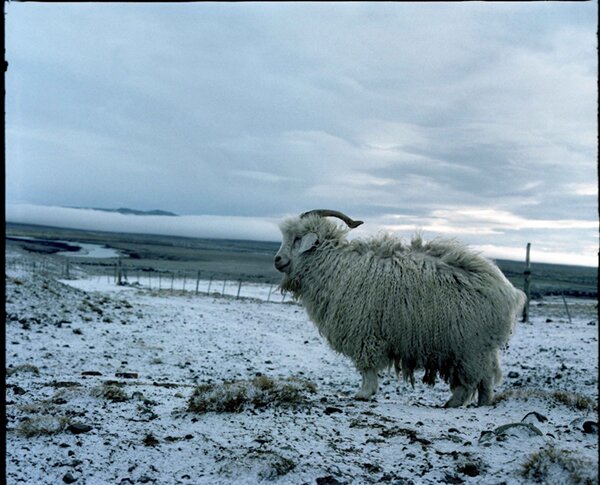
x: 437, y: 306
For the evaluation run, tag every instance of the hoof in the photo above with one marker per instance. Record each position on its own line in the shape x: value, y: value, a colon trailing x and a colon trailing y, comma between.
x: 452, y: 404
x: 364, y: 396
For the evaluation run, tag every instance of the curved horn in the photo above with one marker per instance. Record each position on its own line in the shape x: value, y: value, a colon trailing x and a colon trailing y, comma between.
x: 326, y: 213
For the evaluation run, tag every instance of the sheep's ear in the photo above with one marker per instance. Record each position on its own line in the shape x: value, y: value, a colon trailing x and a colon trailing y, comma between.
x: 308, y: 242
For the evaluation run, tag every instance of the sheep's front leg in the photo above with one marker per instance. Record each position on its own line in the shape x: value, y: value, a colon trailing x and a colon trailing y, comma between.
x: 369, y: 384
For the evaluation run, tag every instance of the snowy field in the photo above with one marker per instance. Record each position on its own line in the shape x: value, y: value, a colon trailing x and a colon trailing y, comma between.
x: 100, y: 380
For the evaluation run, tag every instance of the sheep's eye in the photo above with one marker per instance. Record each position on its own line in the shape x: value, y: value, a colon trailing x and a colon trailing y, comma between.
x: 296, y: 240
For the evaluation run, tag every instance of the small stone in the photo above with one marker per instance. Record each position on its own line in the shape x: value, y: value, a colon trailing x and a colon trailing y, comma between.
x: 331, y: 410
x: 69, y: 478
x: 453, y: 479
x: 77, y: 428
x: 150, y: 440
x: 590, y: 427
x: 513, y: 375
x: 91, y: 373
x: 328, y: 480
x: 549, y: 320
x: 19, y: 390
x: 470, y: 469
x: 127, y: 375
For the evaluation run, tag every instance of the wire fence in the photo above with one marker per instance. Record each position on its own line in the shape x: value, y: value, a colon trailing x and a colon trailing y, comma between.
x: 186, y: 282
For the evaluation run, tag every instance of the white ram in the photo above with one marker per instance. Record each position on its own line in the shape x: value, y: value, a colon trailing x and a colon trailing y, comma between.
x: 437, y: 306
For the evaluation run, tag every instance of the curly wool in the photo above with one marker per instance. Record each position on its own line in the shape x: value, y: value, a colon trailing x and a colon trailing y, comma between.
x: 437, y: 306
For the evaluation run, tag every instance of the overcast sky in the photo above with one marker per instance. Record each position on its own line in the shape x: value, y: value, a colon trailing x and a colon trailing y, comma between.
x: 475, y: 120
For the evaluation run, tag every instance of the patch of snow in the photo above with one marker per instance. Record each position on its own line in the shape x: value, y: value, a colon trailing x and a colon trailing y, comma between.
x: 80, y: 334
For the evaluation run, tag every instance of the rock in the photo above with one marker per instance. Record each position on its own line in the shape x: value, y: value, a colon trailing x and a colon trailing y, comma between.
x: 91, y: 373
x: 127, y: 375
x: 78, y: 428
x: 453, y: 479
x: 69, y: 478
x: 549, y: 320
x: 534, y: 416
x: 150, y: 440
x: 511, y: 428
x: 331, y: 410
x: 590, y: 427
x: 512, y: 374
x: 470, y: 469
x: 328, y: 480
x: 591, y: 323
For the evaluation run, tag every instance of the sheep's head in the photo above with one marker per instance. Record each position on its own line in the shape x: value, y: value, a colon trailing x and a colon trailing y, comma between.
x: 308, y: 232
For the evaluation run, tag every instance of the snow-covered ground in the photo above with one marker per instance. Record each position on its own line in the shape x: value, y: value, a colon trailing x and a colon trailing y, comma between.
x: 99, y: 380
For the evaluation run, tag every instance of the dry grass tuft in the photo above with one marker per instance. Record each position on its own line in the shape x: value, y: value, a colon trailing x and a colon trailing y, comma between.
x: 571, y: 399
x: 553, y: 465
x: 260, y: 392
x: 42, y: 425
x: 22, y: 368
x: 110, y: 391
x: 575, y: 400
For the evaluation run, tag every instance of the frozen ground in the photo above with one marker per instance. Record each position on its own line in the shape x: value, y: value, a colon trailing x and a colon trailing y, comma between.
x: 99, y: 380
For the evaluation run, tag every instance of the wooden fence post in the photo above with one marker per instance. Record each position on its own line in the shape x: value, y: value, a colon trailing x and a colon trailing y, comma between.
x: 526, y: 285
x: 209, y: 283
x: 197, y: 282
x: 224, y: 283
x: 183, y: 286
x: 239, y: 288
x: 119, y: 272
x: 172, y: 279
x: 566, y: 306
x: 270, y: 290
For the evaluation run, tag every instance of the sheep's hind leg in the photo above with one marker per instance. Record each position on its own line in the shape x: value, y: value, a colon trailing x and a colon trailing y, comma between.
x: 485, y: 392
x: 460, y: 395
x: 369, y: 384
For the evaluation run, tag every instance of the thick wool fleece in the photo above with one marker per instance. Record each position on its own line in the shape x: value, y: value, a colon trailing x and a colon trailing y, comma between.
x: 436, y: 306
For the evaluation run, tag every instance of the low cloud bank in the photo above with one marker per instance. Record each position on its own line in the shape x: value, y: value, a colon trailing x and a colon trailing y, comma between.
x: 205, y: 226
x: 256, y: 229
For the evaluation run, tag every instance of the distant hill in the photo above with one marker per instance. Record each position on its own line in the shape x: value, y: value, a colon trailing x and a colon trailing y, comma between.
x: 134, y: 212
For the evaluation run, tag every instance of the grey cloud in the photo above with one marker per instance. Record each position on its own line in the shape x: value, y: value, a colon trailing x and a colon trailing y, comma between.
x: 227, y: 109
